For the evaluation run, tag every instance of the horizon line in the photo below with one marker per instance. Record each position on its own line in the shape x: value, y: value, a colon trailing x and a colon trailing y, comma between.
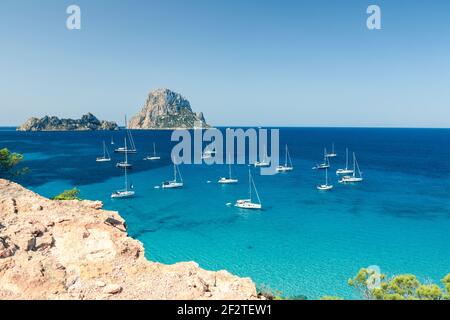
x: 282, y: 126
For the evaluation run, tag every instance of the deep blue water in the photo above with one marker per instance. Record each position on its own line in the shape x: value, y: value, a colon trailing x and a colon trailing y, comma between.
x: 304, y: 242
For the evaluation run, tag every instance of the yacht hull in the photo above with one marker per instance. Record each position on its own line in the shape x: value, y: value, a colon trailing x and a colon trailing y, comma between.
x: 227, y: 181
x: 262, y: 164
x: 125, y: 151
x: 344, y: 171
x: 324, y: 187
x: 172, y: 185
x: 284, y: 169
x: 124, y: 165
x: 350, y: 180
x: 246, y: 204
x: 122, y: 194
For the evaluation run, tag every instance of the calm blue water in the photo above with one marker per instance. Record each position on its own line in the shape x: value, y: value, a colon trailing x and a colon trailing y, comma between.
x: 304, y: 242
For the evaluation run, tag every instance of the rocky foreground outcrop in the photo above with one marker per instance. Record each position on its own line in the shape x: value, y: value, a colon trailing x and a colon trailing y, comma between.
x: 87, y: 122
x: 75, y: 250
x: 165, y: 109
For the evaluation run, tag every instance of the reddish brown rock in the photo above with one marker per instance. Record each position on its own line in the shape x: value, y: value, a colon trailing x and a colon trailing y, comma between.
x: 74, y: 250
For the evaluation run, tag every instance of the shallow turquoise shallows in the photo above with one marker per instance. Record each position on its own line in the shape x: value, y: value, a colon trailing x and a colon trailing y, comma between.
x: 304, y: 242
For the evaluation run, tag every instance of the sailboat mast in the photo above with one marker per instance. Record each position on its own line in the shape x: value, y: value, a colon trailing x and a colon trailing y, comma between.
x: 326, y: 159
x: 130, y: 137
x: 286, y: 157
x: 250, y: 184
x: 126, y: 150
x: 154, y: 149
x: 256, y: 191
x: 174, y: 172
x: 290, y: 160
x: 357, y: 167
x: 229, y: 166
x: 104, y: 150
x: 354, y: 165
x: 346, y: 158
x: 125, y: 167
x: 326, y: 176
x: 179, y: 174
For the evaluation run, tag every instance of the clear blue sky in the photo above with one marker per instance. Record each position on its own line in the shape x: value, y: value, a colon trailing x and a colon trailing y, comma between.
x: 241, y: 62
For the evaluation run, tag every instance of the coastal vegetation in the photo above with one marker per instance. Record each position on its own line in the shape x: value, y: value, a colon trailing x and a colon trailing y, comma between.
x: 400, y: 287
x: 371, y: 285
x: 9, y: 163
x: 268, y: 293
x: 68, y: 195
x: 331, y: 298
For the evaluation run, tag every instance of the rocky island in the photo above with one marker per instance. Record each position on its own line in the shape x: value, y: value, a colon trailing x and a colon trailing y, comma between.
x: 75, y: 250
x: 87, y: 122
x: 165, y: 109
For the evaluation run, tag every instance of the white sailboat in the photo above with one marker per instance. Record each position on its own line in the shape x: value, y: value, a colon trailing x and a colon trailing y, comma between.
x: 346, y: 170
x: 326, y: 186
x: 355, y: 177
x: 132, y: 148
x: 326, y: 162
x: 287, y: 163
x: 174, y: 183
x: 209, y: 152
x: 126, y: 192
x: 248, y: 203
x: 124, y: 164
x: 264, y: 162
x: 228, y: 180
x: 154, y: 157
x: 332, y: 154
x: 106, y: 157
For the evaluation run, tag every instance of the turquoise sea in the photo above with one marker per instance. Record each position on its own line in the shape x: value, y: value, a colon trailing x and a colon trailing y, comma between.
x: 304, y: 242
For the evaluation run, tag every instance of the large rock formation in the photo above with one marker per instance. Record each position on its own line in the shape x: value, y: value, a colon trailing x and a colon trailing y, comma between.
x: 87, y: 122
x: 165, y: 109
x: 75, y: 250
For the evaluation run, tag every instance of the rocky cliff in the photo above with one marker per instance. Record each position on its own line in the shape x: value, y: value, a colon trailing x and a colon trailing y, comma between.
x: 75, y: 250
x: 165, y: 109
x: 87, y: 122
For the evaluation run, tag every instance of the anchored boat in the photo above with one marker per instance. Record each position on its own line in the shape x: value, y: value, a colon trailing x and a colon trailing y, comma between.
x: 124, y: 164
x: 346, y: 170
x: 332, y: 154
x: 264, y: 162
x: 325, y: 164
x: 126, y: 192
x: 326, y: 186
x: 248, y: 203
x: 125, y: 149
x: 106, y: 157
x: 287, y: 163
x: 228, y: 180
x: 357, y: 175
x: 174, y: 183
x: 154, y: 157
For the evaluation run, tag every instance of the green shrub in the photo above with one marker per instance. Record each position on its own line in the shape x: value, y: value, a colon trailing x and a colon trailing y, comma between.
x: 68, y: 195
x: 8, y: 162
